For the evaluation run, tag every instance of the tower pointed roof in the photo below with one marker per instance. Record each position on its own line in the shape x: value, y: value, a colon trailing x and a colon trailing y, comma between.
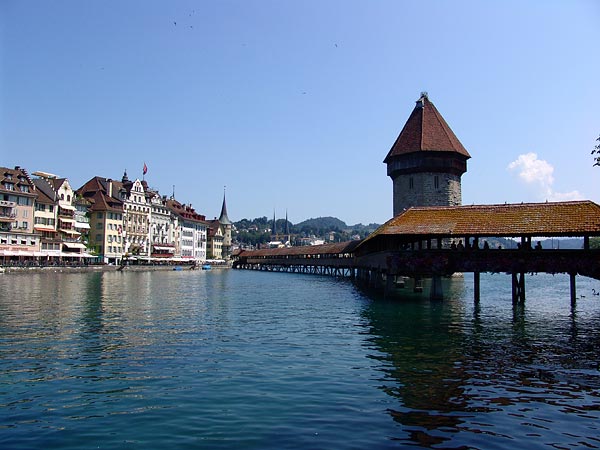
x: 426, y: 130
x: 223, y: 217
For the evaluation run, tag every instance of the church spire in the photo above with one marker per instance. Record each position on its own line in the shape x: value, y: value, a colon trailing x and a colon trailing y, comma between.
x: 223, y: 217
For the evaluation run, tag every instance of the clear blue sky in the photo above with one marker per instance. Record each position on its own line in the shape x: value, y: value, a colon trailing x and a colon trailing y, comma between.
x: 295, y: 104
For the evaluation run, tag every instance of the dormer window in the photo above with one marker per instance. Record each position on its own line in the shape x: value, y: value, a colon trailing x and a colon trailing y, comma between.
x: 9, y: 186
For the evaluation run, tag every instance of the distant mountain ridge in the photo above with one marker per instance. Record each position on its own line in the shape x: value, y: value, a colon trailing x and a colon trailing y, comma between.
x: 259, y: 230
x: 333, y: 223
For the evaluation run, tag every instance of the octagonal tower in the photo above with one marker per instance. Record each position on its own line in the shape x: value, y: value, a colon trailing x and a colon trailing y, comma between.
x: 427, y: 161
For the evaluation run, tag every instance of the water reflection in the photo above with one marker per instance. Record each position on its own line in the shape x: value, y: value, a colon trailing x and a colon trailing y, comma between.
x: 491, y: 369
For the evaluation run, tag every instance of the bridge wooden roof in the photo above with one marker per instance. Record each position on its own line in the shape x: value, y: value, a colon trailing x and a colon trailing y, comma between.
x: 577, y: 218
x: 324, y: 249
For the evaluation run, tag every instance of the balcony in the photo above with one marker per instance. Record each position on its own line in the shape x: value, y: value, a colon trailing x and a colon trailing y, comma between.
x: 6, y: 216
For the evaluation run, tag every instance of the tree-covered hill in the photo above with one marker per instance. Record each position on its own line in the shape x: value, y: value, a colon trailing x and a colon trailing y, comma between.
x: 259, y: 230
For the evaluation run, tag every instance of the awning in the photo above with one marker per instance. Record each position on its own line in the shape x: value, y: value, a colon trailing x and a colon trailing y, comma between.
x: 65, y: 220
x: 158, y: 247
x: 63, y: 230
x: 74, y: 245
x: 82, y: 225
x: 69, y: 207
x: 70, y: 255
x: 87, y: 255
x: 42, y: 228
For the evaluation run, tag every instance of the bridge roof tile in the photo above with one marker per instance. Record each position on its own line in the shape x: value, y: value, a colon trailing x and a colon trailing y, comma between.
x: 575, y: 218
x: 324, y: 249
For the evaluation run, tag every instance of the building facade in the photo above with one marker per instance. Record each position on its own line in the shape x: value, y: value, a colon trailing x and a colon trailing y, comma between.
x: 106, y: 219
x: 190, y: 231
x: 136, y: 217
x: 17, y: 212
x: 163, y: 230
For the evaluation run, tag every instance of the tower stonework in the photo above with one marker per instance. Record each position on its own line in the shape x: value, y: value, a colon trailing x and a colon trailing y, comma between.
x: 426, y: 161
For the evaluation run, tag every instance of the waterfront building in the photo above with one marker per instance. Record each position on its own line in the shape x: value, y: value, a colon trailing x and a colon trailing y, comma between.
x: 219, y: 235
x: 136, y: 217
x: 68, y: 234
x: 215, y: 240
x: 426, y: 161
x: 45, y: 218
x: 162, y: 226
x: 106, y: 218
x: 82, y: 219
x: 191, y: 231
x: 17, y: 200
x: 55, y: 218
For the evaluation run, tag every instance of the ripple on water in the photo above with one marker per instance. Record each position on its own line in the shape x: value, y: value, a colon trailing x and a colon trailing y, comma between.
x: 228, y: 359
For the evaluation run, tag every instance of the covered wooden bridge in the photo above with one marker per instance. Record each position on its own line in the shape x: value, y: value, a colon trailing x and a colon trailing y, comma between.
x: 434, y: 242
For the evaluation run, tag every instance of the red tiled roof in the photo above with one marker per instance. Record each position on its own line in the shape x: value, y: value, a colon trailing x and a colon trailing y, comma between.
x: 426, y: 130
x: 532, y: 219
x: 324, y: 249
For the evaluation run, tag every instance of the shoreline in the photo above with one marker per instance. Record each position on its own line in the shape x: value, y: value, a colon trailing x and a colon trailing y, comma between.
x: 99, y: 268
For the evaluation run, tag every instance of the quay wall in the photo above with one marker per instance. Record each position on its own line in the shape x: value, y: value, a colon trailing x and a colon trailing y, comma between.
x: 99, y: 268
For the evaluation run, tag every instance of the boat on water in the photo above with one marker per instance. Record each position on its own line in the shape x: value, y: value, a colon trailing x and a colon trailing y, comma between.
x: 206, y: 267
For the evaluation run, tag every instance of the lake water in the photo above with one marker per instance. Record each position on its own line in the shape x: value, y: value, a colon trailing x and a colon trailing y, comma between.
x: 251, y: 360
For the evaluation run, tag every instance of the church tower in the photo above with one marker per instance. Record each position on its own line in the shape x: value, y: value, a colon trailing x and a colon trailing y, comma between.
x: 226, y: 224
x: 427, y: 161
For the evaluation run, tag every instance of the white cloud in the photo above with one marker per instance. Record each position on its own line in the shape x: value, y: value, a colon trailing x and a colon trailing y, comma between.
x: 565, y: 196
x: 540, y: 174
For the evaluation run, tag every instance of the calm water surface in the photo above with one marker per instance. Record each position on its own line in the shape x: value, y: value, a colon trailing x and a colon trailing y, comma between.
x: 247, y: 360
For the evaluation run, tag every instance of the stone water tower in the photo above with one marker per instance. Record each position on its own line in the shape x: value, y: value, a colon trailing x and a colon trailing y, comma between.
x: 427, y: 161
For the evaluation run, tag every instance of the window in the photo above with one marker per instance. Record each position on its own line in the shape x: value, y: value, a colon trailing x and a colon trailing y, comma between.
x: 99, y: 215
x: 9, y: 186
x: 411, y: 183
x: 436, y: 182
x: 51, y: 208
x: 62, y: 196
x: 68, y: 198
x: 24, y: 188
x: 98, y: 237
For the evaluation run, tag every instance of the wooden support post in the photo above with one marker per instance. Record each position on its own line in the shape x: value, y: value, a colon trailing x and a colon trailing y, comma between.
x: 518, y: 287
x: 476, y: 287
x: 437, y: 292
x: 389, y: 284
x: 573, y: 289
x: 418, y: 285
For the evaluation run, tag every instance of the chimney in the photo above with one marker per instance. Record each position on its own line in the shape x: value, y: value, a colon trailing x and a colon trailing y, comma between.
x: 109, y: 182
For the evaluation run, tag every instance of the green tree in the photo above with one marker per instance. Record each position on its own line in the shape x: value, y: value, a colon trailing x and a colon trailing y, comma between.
x: 596, y: 153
